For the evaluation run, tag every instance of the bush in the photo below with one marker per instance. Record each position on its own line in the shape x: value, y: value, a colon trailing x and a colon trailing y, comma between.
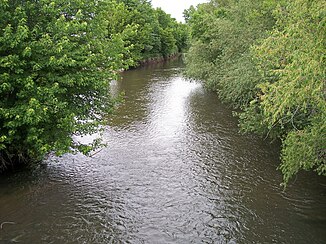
x: 56, y: 61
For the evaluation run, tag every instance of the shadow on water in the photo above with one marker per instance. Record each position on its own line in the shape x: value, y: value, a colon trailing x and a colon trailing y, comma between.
x: 176, y: 170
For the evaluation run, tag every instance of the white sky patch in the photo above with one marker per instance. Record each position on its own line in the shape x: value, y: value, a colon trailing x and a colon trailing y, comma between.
x: 176, y: 7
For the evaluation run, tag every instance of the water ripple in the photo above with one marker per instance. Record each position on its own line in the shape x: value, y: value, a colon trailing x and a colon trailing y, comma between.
x: 176, y: 170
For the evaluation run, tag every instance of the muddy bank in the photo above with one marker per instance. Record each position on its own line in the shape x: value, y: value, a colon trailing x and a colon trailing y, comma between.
x: 160, y: 59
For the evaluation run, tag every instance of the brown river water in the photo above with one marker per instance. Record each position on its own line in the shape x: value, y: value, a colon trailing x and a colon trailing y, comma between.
x: 175, y: 170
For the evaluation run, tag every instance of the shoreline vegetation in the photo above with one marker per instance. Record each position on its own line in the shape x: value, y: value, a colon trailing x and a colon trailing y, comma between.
x: 56, y: 62
x: 267, y: 58
x: 156, y: 60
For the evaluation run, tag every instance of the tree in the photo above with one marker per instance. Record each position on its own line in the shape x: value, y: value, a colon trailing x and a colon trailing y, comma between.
x: 291, y: 103
x: 147, y: 32
x: 267, y: 57
x: 56, y: 61
x: 222, y: 34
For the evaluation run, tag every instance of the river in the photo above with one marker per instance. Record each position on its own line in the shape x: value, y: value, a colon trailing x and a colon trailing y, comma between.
x: 175, y: 170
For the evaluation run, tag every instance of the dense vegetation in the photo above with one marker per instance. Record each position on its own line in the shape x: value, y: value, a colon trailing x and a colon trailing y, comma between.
x: 267, y: 57
x: 57, y: 58
x: 146, y: 32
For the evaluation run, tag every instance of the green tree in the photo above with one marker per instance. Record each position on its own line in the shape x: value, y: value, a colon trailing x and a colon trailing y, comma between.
x: 222, y: 35
x: 267, y: 57
x: 291, y: 104
x: 147, y: 32
x: 181, y: 36
x: 167, y: 27
x: 56, y: 61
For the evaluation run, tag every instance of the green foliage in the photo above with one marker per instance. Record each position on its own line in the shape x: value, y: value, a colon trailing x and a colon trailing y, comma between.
x: 267, y: 57
x: 222, y: 36
x: 305, y: 149
x: 292, y: 99
x: 56, y: 61
x: 147, y: 32
x: 57, y: 58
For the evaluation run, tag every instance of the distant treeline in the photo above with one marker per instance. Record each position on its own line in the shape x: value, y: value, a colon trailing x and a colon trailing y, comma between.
x: 57, y: 58
x: 267, y: 57
x: 145, y: 31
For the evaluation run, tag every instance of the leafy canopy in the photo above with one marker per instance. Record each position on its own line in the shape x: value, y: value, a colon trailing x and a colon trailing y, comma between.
x: 57, y: 58
x: 267, y: 57
x: 56, y: 61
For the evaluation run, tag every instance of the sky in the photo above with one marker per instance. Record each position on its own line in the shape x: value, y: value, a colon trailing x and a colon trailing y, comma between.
x: 176, y: 7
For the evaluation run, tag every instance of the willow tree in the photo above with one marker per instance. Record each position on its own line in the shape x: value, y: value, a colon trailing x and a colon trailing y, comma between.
x: 292, y: 100
x: 222, y: 34
x: 56, y: 61
x: 268, y: 58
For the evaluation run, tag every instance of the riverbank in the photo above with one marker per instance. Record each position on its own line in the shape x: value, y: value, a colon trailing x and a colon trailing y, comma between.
x: 160, y: 59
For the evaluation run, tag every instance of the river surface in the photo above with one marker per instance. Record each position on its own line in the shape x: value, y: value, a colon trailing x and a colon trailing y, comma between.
x: 175, y: 170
